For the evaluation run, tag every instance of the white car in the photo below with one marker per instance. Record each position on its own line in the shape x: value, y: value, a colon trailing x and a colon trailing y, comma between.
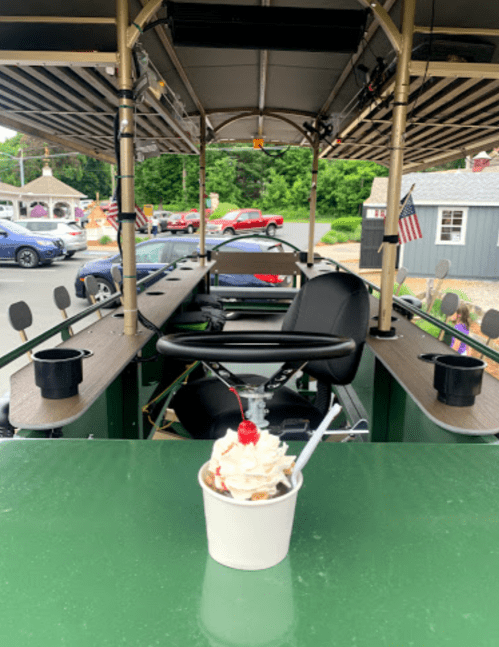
x: 6, y: 211
x: 72, y: 235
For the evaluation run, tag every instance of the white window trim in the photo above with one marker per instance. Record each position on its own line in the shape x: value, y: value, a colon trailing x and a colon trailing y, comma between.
x: 439, y: 226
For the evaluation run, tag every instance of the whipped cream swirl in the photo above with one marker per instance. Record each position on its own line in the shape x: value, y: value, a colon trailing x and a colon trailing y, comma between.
x: 245, y: 470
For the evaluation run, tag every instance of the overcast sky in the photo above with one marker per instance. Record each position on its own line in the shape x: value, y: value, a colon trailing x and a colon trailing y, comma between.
x: 5, y: 133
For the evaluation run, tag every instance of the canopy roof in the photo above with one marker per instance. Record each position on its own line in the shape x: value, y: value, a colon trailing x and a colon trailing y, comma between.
x: 245, y: 93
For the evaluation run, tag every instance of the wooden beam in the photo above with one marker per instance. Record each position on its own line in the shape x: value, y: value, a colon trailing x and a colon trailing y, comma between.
x: 62, y: 20
x: 457, y: 31
x: 386, y: 23
x: 59, y: 59
x: 457, y: 70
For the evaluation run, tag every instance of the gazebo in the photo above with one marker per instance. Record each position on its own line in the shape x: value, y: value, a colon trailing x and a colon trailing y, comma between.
x: 10, y: 193
x: 46, y: 190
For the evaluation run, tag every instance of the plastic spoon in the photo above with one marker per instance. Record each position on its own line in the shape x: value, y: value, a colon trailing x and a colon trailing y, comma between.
x: 309, y: 448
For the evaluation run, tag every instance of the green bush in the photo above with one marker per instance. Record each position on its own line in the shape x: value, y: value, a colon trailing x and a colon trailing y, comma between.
x: 174, y: 207
x: 222, y: 209
x: 346, y: 224
x: 334, y: 237
x: 403, y: 290
x: 104, y: 240
x: 138, y: 239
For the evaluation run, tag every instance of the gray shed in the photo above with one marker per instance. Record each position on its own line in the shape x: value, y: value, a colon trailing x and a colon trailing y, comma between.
x: 458, y: 212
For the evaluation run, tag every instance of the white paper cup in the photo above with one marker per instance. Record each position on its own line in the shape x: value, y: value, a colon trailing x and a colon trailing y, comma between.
x: 248, y: 535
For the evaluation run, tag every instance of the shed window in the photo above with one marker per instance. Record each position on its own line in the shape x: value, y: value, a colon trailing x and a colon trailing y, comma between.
x: 451, y: 229
x: 375, y: 213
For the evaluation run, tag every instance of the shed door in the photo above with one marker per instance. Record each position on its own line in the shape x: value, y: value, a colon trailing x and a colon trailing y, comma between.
x: 372, y: 236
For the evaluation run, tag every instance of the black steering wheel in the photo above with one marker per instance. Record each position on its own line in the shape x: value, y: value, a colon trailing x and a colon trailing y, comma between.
x: 254, y: 346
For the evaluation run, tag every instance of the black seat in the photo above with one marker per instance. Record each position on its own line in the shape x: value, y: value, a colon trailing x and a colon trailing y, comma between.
x: 334, y: 303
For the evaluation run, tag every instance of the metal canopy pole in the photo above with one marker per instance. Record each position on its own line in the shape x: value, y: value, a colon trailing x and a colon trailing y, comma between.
x: 313, y: 202
x: 390, y: 238
x: 126, y: 169
x: 202, y: 187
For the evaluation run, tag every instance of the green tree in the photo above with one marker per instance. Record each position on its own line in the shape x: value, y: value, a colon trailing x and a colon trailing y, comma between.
x: 85, y: 174
x: 221, y: 178
x: 276, y: 192
x: 299, y: 193
x: 9, y: 167
x: 343, y: 185
x: 159, y: 179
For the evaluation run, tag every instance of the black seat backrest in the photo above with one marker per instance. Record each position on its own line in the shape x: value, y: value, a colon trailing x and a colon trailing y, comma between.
x: 336, y: 303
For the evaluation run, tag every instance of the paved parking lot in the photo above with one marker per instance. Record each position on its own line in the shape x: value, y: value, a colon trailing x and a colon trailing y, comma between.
x: 36, y: 287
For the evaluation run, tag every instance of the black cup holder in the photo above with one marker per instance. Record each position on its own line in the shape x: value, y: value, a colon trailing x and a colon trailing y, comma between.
x: 58, y: 371
x: 118, y: 315
x: 186, y: 268
x: 173, y: 278
x: 154, y: 293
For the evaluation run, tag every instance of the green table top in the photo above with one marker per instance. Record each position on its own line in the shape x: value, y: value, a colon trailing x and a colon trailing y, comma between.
x: 103, y: 544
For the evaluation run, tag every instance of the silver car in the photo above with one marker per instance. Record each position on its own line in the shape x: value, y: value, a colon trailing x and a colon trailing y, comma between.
x: 72, y: 235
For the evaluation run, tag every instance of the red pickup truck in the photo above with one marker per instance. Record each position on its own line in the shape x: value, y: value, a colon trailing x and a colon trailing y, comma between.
x: 243, y: 221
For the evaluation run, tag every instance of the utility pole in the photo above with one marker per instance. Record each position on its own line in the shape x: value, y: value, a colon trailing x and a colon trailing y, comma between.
x: 21, y: 166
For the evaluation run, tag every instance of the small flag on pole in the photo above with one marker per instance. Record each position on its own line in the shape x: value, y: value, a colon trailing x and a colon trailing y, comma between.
x: 112, y: 216
x: 409, y: 228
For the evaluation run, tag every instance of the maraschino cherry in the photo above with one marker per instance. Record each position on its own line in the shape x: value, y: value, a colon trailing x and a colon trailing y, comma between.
x: 247, y: 432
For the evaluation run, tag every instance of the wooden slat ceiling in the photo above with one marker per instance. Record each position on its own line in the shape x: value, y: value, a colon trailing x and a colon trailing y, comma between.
x: 249, y: 93
x: 447, y: 120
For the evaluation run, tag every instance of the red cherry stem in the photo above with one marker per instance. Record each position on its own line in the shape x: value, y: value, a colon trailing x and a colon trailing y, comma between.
x: 239, y: 400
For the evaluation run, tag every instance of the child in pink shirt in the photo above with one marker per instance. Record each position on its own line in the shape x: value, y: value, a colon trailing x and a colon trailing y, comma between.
x: 462, y: 323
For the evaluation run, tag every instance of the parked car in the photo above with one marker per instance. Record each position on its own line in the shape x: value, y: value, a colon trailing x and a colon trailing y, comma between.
x: 244, y: 220
x: 187, y: 223
x: 25, y: 248
x: 6, y: 211
x: 151, y: 254
x: 72, y: 235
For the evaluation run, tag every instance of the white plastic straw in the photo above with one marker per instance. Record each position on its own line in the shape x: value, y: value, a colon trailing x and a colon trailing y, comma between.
x: 316, y: 437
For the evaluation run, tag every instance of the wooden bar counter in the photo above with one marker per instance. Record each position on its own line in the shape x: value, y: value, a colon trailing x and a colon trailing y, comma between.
x: 399, y: 357
x: 112, y: 352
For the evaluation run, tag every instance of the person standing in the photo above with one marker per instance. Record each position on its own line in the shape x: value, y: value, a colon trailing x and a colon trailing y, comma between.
x: 462, y: 323
x: 155, y: 225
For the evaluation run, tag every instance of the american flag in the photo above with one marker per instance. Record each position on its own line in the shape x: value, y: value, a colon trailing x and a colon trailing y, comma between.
x: 409, y: 228
x: 112, y: 216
